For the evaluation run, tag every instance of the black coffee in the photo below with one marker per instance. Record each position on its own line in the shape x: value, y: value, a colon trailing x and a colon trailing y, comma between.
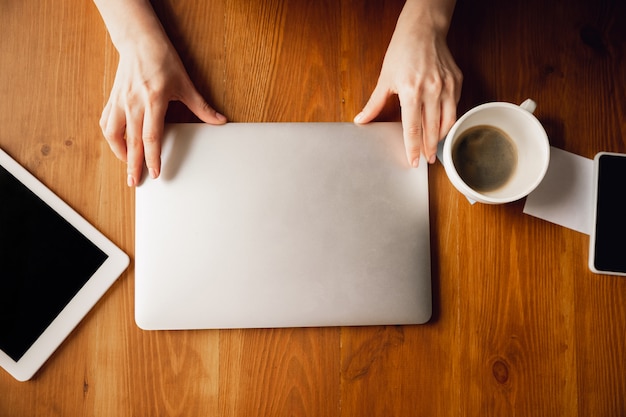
x: 485, y: 157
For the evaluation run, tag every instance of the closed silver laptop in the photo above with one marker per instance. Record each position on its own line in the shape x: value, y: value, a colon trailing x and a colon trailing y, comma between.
x: 283, y: 225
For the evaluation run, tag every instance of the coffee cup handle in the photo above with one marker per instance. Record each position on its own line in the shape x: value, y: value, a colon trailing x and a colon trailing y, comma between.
x: 529, y: 105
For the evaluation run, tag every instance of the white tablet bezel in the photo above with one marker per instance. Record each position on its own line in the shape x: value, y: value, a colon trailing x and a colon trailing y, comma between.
x: 117, y: 261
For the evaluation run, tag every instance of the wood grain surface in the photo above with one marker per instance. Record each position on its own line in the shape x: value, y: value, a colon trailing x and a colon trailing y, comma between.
x: 520, y: 327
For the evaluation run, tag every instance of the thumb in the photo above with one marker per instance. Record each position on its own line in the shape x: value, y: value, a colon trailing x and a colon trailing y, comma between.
x: 374, y: 105
x: 198, y: 105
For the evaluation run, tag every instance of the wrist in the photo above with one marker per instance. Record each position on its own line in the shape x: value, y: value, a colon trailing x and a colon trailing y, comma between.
x: 132, y: 24
x: 427, y: 15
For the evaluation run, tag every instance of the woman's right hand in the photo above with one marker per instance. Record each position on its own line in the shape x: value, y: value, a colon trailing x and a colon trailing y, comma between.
x: 149, y: 75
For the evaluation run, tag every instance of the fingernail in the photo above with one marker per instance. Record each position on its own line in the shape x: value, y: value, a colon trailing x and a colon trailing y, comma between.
x: 220, y: 117
x: 153, y: 173
x: 432, y: 159
x: 130, y: 181
x: 358, y: 118
x: 416, y: 162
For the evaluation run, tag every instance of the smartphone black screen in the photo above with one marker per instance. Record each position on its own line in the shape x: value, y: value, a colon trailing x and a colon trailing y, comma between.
x: 610, y: 234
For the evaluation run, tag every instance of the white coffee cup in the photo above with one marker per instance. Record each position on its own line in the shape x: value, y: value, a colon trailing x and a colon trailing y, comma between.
x: 530, y: 141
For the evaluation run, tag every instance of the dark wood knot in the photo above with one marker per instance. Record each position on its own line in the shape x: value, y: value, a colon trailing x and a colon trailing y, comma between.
x: 500, y: 371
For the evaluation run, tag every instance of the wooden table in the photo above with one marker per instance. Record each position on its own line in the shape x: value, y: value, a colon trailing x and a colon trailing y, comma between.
x: 521, y: 327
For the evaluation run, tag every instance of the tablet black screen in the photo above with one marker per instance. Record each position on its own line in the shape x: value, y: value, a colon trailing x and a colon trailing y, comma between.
x: 44, y: 262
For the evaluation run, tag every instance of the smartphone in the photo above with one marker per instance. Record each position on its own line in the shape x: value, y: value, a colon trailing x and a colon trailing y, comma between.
x: 607, y: 246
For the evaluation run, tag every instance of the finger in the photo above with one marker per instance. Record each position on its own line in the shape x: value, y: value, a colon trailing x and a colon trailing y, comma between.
x: 113, y: 125
x: 104, y: 117
x: 152, y: 134
x: 411, y: 113
x: 450, y: 98
x: 448, y: 117
x: 432, y: 125
x: 198, y: 105
x: 134, y: 149
x: 454, y: 87
x: 374, y: 105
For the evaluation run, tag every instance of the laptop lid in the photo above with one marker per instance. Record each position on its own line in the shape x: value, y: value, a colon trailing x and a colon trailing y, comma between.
x: 283, y: 225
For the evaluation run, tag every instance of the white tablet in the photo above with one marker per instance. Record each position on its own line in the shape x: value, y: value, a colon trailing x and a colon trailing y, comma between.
x: 54, y: 267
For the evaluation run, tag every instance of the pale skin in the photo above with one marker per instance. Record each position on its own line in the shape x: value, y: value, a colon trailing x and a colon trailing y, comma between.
x: 418, y: 67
